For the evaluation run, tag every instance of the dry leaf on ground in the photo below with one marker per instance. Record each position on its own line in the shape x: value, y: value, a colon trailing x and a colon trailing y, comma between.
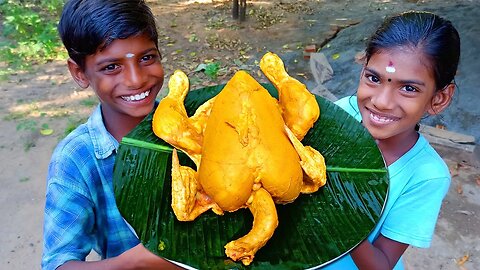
x: 462, y: 260
x: 459, y: 188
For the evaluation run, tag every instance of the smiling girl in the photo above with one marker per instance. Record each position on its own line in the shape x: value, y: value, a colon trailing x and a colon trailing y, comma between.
x: 408, y: 72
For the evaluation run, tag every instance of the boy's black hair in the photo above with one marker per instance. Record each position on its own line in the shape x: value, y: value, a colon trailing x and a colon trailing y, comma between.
x: 87, y: 26
x: 434, y: 36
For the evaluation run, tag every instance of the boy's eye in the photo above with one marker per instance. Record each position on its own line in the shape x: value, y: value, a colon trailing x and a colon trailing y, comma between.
x: 110, y: 67
x: 149, y: 57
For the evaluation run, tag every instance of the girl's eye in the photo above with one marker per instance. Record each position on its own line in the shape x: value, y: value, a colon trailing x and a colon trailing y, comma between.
x: 409, y: 88
x: 372, y: 78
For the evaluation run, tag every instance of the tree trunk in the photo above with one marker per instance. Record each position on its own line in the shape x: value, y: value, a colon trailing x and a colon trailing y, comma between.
x: 239, y: 9
x: 235, y: 9
x: 243, y: 10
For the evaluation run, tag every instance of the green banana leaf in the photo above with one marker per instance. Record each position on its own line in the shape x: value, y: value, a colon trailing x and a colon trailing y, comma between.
x: 313, y: 230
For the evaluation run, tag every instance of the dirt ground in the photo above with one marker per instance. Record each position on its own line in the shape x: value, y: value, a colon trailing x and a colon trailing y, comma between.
x: 38, y: 108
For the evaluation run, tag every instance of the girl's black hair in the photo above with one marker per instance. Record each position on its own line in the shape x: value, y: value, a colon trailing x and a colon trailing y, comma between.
x: 87, y: 26
x: 434, y: 36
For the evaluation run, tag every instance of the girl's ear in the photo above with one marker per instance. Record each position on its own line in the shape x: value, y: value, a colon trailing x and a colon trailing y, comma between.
x: 441, y: 99
x: 77, y: 74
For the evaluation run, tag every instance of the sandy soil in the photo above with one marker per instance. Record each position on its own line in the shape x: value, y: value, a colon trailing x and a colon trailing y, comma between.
x: 193, y: 33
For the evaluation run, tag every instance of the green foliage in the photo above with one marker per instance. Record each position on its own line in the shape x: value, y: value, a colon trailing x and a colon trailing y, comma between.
x: 29, y: 33
x: 24, y: 179
x: 210, y: 69
x: 27, y: 124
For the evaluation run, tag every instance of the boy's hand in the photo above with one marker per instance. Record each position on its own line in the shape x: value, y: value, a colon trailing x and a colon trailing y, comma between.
x: 136, y: 258
x: 140, y: 258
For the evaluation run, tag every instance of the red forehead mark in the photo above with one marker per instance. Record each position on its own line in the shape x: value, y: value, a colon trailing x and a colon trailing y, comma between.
x: 390, y: 68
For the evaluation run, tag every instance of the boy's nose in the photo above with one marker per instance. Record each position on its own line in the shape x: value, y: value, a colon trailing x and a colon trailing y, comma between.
x: 134, y: 76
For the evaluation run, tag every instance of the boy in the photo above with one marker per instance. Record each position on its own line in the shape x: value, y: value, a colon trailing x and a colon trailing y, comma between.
x: 113, y: 48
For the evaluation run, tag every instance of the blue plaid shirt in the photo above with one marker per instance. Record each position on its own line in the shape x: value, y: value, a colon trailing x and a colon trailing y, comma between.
x: 80, y: 211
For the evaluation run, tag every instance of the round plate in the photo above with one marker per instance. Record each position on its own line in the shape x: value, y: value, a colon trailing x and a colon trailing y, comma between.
x: 314, y: 230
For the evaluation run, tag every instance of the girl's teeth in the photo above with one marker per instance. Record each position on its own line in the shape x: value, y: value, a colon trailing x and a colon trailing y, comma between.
x: 380, y: 119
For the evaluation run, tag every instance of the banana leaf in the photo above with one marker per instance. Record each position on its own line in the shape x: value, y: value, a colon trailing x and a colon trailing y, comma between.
x: 314, y: 230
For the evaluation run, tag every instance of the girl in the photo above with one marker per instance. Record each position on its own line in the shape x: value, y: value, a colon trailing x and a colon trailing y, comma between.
x: 409, y: 68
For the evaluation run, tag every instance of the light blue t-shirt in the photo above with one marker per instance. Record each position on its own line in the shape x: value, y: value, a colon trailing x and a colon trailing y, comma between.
x: 419, y: 180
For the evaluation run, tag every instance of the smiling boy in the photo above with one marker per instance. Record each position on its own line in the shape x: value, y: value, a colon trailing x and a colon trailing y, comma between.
x: 113, y: 49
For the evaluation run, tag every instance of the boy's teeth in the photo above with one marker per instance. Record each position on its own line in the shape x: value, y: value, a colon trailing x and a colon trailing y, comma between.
x: 136, y: 97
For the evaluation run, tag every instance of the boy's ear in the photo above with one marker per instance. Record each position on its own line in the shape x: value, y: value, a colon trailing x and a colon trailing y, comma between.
x: 441, y: 99
x: 77, y: 73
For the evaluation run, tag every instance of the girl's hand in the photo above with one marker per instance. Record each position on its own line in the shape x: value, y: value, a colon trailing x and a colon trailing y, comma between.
x: 383, y: 254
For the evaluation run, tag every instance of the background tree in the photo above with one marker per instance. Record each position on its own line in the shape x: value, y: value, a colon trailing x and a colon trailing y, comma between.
x: 239, y: 9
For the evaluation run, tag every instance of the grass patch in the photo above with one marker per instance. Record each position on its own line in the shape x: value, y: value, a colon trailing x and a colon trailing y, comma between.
x: 89, y: 102
x: 27, y: 125
x: 15, y: 116
x: 73, y: 123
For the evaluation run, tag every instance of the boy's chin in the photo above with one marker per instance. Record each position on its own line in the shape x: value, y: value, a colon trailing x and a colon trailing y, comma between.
x: 140, y: 111
x: 144, y: 111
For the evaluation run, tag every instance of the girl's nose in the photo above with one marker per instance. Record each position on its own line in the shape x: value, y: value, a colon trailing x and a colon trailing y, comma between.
x: 384, y: 99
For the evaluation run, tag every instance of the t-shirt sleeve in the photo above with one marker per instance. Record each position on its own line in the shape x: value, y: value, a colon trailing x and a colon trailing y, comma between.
x: 413, y: 217
x: 349, y: 104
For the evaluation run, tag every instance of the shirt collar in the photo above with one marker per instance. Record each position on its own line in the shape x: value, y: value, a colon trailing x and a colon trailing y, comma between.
x: 104, y: 144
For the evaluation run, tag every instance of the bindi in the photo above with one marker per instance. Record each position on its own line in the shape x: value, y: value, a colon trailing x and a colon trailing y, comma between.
x: 129, y: 55
x: 390, y: 68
